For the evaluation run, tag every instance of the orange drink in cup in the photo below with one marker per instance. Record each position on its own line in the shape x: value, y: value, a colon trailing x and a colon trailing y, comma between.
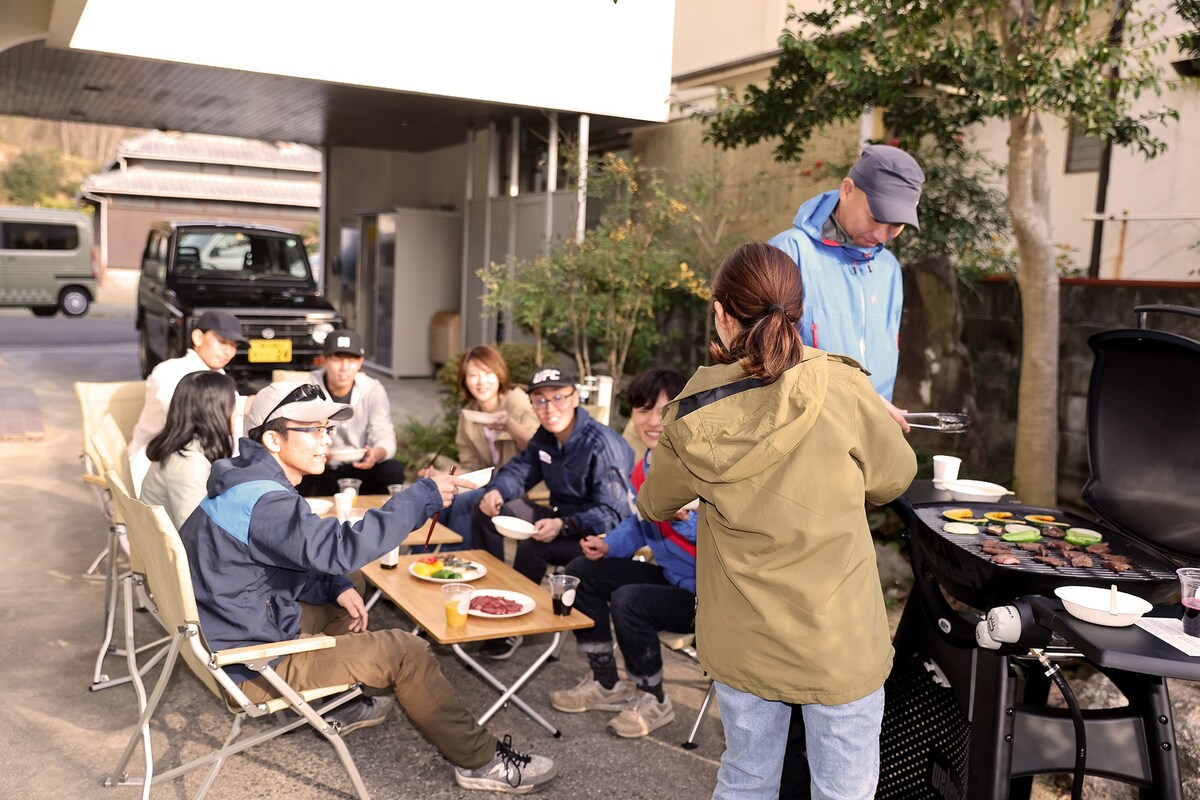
x: 457, y: 598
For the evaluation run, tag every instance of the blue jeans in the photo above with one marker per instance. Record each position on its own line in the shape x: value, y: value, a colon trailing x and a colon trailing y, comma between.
x: 842, y: 743
x: 641, y: 602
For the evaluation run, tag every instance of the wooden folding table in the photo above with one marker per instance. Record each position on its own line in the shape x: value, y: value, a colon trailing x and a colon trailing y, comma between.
x: 422, y: 601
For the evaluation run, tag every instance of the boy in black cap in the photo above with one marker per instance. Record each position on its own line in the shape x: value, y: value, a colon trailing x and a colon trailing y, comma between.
x: 853, y: 291
x: 214, y: 343
x: 586, y: 467
x: 370, y: 433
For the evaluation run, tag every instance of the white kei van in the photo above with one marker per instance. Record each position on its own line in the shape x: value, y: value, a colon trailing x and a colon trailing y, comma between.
x: 47, y: 262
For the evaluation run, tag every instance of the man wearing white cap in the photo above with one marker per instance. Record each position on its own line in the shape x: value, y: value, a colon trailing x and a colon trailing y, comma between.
x: 853, y: 290
x: 266, y: 569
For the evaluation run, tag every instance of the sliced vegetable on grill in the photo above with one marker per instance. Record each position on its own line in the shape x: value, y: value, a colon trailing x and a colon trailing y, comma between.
x: 963, y: 515
x: 1044, y: 519
x: 999, y: 516
x: 1020, y: 533
x: 1083, y: 536
x: 961, y: 528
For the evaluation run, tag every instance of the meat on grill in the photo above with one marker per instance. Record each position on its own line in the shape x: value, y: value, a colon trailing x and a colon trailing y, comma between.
x: 1100, y: 548
x: 1080, y: 560
x: 1050, y: 561
x: 1031, y: 547
x: 1005, y: 558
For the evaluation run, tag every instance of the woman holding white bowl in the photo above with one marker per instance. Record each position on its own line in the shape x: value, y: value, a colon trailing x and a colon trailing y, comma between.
x: 496, y: 423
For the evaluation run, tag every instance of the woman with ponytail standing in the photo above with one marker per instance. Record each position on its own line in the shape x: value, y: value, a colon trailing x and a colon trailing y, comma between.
x: 783, y: 444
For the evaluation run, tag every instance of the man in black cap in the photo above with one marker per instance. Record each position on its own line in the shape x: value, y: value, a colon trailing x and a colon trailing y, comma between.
x: 586, y: 467
x: 214, y: 339
x: 853, y: 291
x: 364, y: 446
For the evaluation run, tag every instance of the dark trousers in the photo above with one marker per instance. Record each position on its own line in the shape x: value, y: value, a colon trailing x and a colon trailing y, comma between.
x: 795, y: 782
x: 641, y: 603
x: 533, y: 557
x: 374, y: 480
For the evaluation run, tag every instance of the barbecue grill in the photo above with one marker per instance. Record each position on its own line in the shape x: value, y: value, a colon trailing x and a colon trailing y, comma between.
x: 967, y: 722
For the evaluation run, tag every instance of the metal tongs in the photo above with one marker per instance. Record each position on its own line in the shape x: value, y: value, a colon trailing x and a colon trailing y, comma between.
x: 938, y: 421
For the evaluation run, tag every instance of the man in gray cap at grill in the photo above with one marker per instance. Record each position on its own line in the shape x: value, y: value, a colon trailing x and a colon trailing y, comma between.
x: 853, y: 290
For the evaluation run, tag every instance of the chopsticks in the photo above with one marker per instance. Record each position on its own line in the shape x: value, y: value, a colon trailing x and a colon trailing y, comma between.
x: 433, y: 520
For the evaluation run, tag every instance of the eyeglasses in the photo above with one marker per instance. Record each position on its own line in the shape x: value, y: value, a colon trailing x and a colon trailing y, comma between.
x: 322, y: 429
x: 559, y: 401
x: 302, y: 393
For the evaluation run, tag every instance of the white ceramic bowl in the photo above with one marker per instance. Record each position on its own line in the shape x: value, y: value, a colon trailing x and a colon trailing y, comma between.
x: 1091, y: 604
x: 347, y: 455
x: 319, y: 506
x: 977, y: 491
x: 513, y: 527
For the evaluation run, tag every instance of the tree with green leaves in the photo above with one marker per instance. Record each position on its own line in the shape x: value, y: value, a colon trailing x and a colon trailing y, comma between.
x: 32, y: 177
x: 936, y: 70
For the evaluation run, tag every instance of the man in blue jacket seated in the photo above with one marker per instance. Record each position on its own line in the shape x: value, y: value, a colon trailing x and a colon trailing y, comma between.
x: 266, y: 569
x: 642, y: 598
x: 586, y: 468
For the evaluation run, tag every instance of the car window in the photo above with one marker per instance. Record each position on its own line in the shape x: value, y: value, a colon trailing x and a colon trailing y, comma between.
x: 238, y: 254
x: 39, y: 236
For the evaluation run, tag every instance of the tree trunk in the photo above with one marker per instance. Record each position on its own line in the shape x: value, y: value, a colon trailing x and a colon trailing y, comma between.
x: 1036, y: 462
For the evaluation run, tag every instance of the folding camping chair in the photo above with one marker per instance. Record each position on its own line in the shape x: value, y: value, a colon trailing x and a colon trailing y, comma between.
x: 160, y: 551
x: 685, y: 643
x: 111, y: 452
x: 124, y: 400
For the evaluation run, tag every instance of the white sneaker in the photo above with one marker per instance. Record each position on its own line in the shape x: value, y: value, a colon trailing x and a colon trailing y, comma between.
x: 508, y: 771
x: 642, y: 716
x: 589, y: 695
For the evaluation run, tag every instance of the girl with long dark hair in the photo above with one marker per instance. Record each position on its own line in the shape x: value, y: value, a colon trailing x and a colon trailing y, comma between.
x: 198, y: 431
x: 783, y: 444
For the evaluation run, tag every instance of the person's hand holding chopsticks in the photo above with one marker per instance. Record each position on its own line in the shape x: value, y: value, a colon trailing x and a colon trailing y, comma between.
x: 447, y: 483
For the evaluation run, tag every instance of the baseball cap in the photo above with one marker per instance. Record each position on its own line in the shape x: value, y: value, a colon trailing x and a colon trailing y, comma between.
x: 891, y: 180
x: 344, y: 341
x: 221, y: 323
x: 544, y: 377
x: 300, y: 402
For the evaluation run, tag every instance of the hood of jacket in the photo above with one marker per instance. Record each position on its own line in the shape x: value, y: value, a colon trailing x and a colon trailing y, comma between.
x: 811, y: 217
x: 730, y: 442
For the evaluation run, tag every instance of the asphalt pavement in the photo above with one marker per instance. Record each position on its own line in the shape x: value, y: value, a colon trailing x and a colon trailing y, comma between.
x: 60, y: 739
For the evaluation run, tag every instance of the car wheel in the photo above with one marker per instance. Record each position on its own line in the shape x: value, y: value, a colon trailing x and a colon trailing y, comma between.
x: 146, y: 359
x: 44, y: 311
x: 74, y: 302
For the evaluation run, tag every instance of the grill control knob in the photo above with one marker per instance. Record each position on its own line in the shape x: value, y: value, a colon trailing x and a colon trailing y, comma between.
x: 983, y: 637
x: 1004, y: 624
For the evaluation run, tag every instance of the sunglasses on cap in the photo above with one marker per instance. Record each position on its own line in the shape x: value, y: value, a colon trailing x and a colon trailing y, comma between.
x: 301, y: 394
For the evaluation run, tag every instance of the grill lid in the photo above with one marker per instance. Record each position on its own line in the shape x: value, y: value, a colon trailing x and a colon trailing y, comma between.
x: 1144, y: 435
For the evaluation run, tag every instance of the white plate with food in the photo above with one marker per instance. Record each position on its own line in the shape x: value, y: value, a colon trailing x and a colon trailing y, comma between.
x: 479, y: 477
x: 452, y: 570
x: 347, y: 455
x: 500, y: 603
x: 319, y: 506
x: 513, y: 527
x: 478, y: 417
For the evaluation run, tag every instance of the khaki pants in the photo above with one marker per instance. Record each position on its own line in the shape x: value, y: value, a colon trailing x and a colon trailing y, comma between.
x: 380, y: 659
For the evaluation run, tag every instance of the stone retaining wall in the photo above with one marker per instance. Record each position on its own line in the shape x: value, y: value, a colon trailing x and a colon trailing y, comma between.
x: 992, y: 335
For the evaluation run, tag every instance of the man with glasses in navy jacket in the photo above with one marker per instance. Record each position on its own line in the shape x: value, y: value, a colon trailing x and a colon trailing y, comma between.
x: 586, y: 467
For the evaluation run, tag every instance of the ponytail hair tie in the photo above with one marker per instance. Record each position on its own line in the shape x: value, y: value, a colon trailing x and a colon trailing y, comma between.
x: 775, y: 308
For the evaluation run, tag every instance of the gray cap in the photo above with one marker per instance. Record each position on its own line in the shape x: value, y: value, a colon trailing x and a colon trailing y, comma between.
x: 311, y: 405
x: 891, y: 179
x: 223, y: 324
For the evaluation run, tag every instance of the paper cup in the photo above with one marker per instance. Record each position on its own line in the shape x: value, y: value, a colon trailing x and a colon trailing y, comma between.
x: 945, y: 468
x: 342, y: 503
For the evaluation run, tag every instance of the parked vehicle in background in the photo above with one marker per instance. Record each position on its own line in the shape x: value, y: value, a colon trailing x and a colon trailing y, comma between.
x: 259, y: 274
x: 47, y: 261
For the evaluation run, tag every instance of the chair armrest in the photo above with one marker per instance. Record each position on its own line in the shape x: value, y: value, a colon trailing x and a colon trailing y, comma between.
x: 94, y: 480
x: 271, y: 650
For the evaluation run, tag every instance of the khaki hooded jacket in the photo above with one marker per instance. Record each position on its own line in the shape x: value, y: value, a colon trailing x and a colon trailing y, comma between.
x: 789, y: 602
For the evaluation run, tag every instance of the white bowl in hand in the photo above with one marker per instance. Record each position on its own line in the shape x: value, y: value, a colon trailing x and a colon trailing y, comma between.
x: 513, y: 527
x: 319, y: 506
x: 978, y: 491
x: 1093, y: 604
x: 479, y: 477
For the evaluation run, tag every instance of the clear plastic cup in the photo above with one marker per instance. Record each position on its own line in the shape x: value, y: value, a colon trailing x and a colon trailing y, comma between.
x: 562, y: 593
x: 396, y: 488
x: 351, y: 485
x: 457, y: 599
x: 1189, y: 595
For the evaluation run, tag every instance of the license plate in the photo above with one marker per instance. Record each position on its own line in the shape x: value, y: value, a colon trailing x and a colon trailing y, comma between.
x: 270, y: 350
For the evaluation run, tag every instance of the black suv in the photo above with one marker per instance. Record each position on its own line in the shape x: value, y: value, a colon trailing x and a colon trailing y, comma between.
x: 259, y: 274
